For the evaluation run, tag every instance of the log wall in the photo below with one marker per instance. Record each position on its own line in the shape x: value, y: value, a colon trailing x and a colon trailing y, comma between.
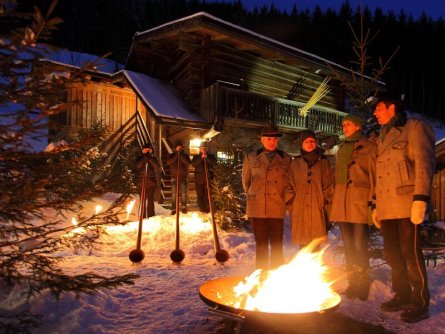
x: 438, y: 197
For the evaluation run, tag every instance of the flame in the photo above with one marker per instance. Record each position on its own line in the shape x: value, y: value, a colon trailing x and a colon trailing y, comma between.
x: 98, y: 209
x: 297, y: 287
x: 78, y: 230
x: 130, y: 208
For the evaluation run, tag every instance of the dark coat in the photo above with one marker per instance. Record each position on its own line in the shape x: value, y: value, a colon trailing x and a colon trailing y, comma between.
x: 405, y: 168
x: 351, y: 200
x: 265, y: 184
x: 153, y: 186
x: 312, y: 187
x: 198, y: 164
x: 153, y: 171
x: 184, y: 162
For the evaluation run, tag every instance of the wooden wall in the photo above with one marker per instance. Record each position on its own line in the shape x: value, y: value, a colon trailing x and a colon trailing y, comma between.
x: 438, y: 198
x: 99, y: 102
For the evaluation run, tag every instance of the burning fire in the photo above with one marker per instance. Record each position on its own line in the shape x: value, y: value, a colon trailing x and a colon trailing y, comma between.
x: 98, y: 209
x: 300, y: 286
x: 130, y: 208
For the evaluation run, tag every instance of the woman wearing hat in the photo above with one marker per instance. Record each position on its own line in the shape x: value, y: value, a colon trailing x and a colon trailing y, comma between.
x: 312, y: 181
x: 265, y: 181
x: 354, y: 180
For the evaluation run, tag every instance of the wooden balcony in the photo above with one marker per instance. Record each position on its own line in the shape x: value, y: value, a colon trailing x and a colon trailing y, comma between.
x: 233, y: 103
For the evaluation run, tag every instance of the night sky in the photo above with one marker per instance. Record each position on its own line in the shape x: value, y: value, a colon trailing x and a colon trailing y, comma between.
x: 433, y: 8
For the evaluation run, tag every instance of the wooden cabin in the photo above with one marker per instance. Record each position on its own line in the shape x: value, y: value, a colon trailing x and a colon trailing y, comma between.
x: 225, y: 73
x: 203, y: 77
x: 438, y: 197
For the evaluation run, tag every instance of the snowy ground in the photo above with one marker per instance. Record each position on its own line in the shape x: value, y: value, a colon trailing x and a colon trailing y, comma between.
x: 165, y: 298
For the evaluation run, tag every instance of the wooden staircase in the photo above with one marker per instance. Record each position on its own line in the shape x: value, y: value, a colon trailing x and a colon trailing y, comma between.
x: 166, y: 189
x: 136, y: 129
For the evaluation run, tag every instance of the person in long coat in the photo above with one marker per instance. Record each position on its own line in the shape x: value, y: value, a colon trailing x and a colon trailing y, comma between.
x: 352, y: 201
x: 200, y: 175
x: 153, y: 178
x: 265, y: 181
x: 405, y: 169
x: 180, y: 171
x: 312, y: 183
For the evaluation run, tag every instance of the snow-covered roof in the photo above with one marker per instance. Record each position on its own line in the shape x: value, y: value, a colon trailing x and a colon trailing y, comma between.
x: 161, y: 97
x: 78, y: 59
x: 264, y: 40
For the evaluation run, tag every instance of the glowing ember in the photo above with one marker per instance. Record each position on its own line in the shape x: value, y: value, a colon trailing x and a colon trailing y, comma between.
x: 130, y: 208
x: 98, y: 209
x: 298, y: 287
x: 74, y: 221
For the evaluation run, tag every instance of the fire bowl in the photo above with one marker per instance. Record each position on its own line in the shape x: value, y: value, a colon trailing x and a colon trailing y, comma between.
x: 219, y: 295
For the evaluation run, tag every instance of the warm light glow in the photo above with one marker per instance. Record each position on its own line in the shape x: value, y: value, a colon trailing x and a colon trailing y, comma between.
x: 98, y: 209
x: 195, y: 142
x: 191, y: 223
x: 300, y: 286
x: 130, y: 208
x: 77, y: 230
x: 194, y: 146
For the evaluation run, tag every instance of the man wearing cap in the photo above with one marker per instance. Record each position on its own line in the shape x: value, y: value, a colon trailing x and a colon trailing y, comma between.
x: 200, y: 176
x: 352, y: 201
x: 153, y: 178
x: 312, y: 182
x: 180, y: 171
x: 404, y: 169
x: 265, y: 180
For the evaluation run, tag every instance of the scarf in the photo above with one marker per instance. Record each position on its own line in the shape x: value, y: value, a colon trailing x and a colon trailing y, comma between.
x: 344, y: 155
x: 311, y: 157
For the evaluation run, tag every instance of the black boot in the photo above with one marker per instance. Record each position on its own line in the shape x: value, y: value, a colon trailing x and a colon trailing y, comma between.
x: 398, y: 303
x: 351, y: 290
x: 358, y: 280
x: 362, y: 283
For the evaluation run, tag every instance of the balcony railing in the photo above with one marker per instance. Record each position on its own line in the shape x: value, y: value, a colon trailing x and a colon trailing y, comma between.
x: 234, y: 103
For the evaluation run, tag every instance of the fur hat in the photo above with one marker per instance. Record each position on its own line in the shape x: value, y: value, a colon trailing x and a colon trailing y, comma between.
x: 356, y: 119
x: 270, y: 130
x: 305, y: 134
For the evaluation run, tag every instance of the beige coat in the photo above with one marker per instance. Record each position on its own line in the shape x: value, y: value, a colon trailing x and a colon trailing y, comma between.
x: 265, y: 184
x: 405, y: 169
x: 351, y: 200
x: 312, y: 194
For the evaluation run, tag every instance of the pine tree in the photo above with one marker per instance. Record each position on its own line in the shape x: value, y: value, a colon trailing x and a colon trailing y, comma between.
x: 41, y: 190
x: 228, y: 196
x: 365, y: 83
